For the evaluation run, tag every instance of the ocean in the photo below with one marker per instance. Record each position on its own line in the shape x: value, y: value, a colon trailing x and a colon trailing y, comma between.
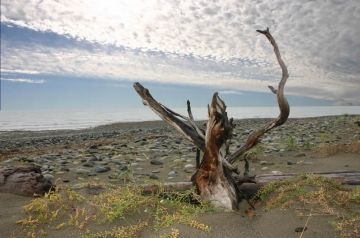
x: 75, y: 119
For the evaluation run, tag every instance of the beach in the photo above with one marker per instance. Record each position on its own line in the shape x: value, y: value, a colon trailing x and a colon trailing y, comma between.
x: 143, y: 152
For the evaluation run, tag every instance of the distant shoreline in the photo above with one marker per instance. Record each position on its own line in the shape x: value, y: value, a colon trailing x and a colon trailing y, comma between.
x: 65, y: 120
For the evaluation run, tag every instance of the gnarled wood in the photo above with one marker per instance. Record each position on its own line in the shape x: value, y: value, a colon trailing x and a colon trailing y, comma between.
x: 213, y: 181
x: 216, y: 179
x: 283, y: 105
x: 184, y: 126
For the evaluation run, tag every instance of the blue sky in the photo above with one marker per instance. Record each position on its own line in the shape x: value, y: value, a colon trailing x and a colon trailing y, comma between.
x: 84, y: 54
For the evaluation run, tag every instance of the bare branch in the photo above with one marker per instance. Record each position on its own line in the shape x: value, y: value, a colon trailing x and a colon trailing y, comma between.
x: 272, y: 89
x: 282, y: 102
x: 171, y: 117
x: 191, y: 120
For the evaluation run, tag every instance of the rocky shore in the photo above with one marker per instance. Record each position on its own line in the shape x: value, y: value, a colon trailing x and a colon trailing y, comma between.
x: 153, y: 151
x: 118, y: 154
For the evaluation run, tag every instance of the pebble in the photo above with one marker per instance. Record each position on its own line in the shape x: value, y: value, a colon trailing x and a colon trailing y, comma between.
x: 156, y: 162
x: 264, y: 162
x: 290, y: 162
x: 188, y: 166
x: 153, y: 176
x: 172, y: 173
x: 48, y: 177
x: 89, y: 164
x: 101, y: 169
x: 82, y: 171
x: 155, y: 171
x: 264, y: 168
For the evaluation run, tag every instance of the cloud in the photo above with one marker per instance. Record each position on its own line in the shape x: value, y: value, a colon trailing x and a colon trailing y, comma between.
x: 18, y: 71
x: 198, y: 42
x: 23, y: 80
x: 232, y: 92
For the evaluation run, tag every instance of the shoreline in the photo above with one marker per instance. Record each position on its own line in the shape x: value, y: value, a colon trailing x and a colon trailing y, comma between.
x: 147, y: 123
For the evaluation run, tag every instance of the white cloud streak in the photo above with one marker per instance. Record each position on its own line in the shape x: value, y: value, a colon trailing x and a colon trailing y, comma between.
x: 231, y: 92
x: 318, y: 40
x: 24, y: 80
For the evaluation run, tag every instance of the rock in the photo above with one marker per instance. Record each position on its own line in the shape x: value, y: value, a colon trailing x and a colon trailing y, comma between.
x: 264, y: 168
x: 188, y: 166
x: 276, y: 172
x: 188, y: 170
x: 300, y: 155
x: 156, y: 162
x: 102, y: 169
x: 264, y: 162
x: 172, y: 173
x: 50, y: 177
x: 300, y: 229
x: 24, y: 180
x: 153, y: 176
x: 290, y: 162
x: 155, y: 171
x: 124, y: 168
x: 89, y: 164
x: 82, y: 171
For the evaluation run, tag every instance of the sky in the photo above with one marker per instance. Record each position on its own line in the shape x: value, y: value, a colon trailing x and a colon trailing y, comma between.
x: 70, y: 54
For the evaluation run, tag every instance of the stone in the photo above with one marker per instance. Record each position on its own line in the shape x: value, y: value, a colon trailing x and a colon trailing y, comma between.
x: 290, y: 162
x: 264, y: 162
x: 300, y: 155
x: 156, y: 162
x: 188, y: 166
x: 82, y: 171
x: 155, y: 171
x: 89, y: 164
x: 50, y: 177
x: 172, y: 173
x: 24, y: 180
x: 264, y: 168
x: 102, y: 169
x: 153, y: 176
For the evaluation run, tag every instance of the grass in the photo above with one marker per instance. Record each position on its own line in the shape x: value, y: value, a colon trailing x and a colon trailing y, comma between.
x: 64, y: 208
x: 255, y: 152
x: 320, y: 195
x: 332, y: 149
x: 291, y: 143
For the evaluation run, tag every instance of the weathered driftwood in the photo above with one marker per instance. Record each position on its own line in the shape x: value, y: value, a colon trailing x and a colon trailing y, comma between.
x: 216, y: 179
x: 342, y: 177
x: 23, y: 180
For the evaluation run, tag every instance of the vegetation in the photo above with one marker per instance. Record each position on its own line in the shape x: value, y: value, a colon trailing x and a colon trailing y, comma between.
x: 66, y: 208
x: 321, y: 196
x: 291, y: 143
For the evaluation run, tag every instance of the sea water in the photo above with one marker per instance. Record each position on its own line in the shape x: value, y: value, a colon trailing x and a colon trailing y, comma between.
x: 79, y: 119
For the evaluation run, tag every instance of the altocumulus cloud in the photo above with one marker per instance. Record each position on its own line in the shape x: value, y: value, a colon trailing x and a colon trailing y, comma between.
x: 196, y: 42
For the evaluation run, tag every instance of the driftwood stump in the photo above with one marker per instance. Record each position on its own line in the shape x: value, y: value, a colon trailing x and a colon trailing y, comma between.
x: 217, y: 179
x: 24, y: 180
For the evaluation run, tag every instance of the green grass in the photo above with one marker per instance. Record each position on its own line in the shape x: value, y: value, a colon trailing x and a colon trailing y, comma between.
x: 291, y: 143
x: 66, y: 208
